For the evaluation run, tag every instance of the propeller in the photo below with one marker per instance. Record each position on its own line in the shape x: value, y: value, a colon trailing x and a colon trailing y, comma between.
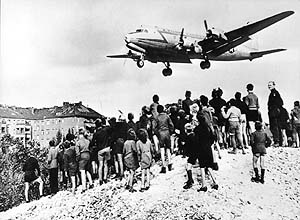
x: 208, y: 31
x: 181, y: 41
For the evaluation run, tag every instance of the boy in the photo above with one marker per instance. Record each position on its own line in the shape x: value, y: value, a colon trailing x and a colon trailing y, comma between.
x: 259, y: 141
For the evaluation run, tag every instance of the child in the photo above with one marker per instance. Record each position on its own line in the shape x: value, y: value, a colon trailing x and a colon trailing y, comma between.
x: 259, y: 141
x: 130, y: 158
x: 191, y: 151
x: 145, y: 151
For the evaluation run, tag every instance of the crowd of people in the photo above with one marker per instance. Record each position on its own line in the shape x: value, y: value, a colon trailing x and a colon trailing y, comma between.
x: 194, y: 128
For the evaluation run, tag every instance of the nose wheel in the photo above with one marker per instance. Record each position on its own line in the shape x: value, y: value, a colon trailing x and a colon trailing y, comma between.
x: 140, y: 63
x: 167, y: 71
x: 204, y: 64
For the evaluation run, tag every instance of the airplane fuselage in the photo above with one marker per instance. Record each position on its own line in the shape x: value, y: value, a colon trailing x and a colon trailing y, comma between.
x: 163, y: 43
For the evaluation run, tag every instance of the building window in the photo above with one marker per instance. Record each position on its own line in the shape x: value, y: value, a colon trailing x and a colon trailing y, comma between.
x: 3, y: 130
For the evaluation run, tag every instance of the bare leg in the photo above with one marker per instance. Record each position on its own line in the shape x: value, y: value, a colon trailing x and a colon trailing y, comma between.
x: 120, y: 161
x: 26, y: 191
x: 131, y: 174
x: 148, y: 177
x: 100, y: 171
x: 262, y: 162
x: 89, y: 177
x: 73, y: 179
x: 41, y: 185
x: 105, y: 170
x: 162, y: 154
x: 255, y: 159
x: 203, y: 177
x: 143, y: 179
x: 83, y: 179
x: 169, y: 156
x: 116, y: 164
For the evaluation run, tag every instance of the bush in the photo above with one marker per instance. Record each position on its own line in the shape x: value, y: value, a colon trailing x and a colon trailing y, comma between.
x: 13, y: 156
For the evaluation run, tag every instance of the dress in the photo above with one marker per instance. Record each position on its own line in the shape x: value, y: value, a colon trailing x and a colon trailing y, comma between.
x: 144, y: 153
x: 31, y: 165
x: 130, y: 155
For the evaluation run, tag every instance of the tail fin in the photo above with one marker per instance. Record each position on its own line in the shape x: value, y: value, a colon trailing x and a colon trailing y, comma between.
x: 255, y: 55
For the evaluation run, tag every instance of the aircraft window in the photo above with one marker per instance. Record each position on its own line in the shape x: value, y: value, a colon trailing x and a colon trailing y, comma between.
x: 139, y: 30
x: 146, y: 31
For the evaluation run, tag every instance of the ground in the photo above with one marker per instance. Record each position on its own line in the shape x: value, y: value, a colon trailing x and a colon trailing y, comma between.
x: 236, y: 198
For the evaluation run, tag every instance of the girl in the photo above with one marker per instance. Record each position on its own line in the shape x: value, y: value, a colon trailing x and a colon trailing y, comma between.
x: 259, y: 141
x: 145, y: 151
x: 130, y: 158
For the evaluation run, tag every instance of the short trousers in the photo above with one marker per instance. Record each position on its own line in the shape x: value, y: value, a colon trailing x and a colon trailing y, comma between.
x: 30, y: 176
x: 252, y: 115
x: 164, y: 138
x: 84, y: 160
x: 234, y: 128
x: 103, y: 156
x: 72, y: 169
x: 118, y: 146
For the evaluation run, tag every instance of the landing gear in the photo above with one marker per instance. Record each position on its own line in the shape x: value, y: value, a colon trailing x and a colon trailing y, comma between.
x: 205, y: 64
x: 140, y: 63
x: 167, y: 71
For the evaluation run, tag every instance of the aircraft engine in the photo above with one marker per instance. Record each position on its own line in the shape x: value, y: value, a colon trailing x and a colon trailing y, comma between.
x: 135, y: 48
x: 198, y: 49
x: 220, y: 33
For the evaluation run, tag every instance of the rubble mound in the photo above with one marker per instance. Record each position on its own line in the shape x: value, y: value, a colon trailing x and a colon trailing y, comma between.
x: 236, y: 198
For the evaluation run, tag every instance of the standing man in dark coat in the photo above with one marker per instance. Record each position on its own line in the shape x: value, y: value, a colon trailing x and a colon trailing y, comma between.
x: 274, y: 105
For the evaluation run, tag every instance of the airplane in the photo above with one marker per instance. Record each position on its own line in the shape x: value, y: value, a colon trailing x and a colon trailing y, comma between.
x: 157, y: 44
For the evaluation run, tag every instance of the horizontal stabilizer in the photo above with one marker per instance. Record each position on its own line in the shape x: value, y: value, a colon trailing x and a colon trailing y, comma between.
x: 261, y: 53
x: 127, y: 55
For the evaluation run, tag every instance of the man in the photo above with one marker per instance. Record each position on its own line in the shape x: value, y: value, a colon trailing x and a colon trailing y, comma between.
x: 274, y: 105
x: 251, y: 101
x: 163, y: 129
x: 102, y: 141
x: 153, y: 106
x: 32, y: 175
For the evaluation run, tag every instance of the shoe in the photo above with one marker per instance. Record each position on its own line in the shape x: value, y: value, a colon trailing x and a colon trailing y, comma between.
x: 215, y: 186
x: 262, y: 181
x: 255, y: 179
x: 91, y: 186
x: 147, y: 187
x: 142, y: 189
x: 100, y: 182
x: 27, y: 201
x: 105, y: 181
x: 127, y: 187
x: 202, y: 189
x: 132, y: 190
x: 244, y: 152
x: 163, y: 170
x: 170, y: 167
x: 188, y: 185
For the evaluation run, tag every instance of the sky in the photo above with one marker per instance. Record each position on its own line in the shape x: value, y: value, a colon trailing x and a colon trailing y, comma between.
x: 55, y: 51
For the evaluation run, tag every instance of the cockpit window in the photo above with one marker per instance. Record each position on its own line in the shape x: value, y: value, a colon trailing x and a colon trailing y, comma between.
x: 141, y: 30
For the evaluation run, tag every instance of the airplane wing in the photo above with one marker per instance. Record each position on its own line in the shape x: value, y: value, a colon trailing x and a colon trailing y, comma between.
x: 238, y: 36
x: 130, y: 55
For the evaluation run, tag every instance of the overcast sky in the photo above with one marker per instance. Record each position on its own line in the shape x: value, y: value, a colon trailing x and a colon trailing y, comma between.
x: 55, y: 50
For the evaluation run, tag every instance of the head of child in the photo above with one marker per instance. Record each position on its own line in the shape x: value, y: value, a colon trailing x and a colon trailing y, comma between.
x: 188, y: 128
x: 142, y: 135
x: 258, y: 126
x: 131, y: 134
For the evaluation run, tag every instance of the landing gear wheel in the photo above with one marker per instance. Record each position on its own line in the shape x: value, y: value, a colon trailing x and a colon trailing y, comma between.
x: 167, y: 72
x: 205, y: 64
x: 140, y: 63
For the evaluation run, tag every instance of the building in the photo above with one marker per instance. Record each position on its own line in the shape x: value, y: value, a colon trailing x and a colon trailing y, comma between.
x: 42, y: 125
